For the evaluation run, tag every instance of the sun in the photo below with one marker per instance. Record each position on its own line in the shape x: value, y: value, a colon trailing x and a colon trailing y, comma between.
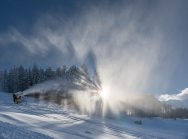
x: 103, y: 93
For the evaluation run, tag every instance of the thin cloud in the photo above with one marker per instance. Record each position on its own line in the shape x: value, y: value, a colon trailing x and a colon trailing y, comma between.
x: 181, y: 96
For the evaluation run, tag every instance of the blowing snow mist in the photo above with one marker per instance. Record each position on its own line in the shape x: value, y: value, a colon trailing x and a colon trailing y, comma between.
x: 127, y: 45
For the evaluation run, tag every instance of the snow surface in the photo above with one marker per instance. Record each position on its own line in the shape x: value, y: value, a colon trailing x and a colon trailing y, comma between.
x: 10, y: 131
x: 41, y: 119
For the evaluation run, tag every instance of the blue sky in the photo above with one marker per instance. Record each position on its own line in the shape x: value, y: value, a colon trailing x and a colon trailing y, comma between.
x: 137, y: 46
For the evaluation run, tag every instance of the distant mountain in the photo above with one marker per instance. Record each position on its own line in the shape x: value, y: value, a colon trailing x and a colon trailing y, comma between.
x: 177, y: 103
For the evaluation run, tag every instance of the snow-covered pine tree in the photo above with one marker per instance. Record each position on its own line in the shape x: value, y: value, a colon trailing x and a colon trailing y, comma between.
x: 58, y: 72
x: 41, y: 75
x: 5, y: 81
x: 84, y: 69
x: 64, y: 71
x: 35, y: 74
x: 30, y: 78
x: 49, y: 73
x: 21, y: 78
x: 1, y: 81
x: 11, y: 81
x: 16, y: 89
x: 96, y: 79
x: 72, y: 73
x: 85, y: 78
x: 25, y: 83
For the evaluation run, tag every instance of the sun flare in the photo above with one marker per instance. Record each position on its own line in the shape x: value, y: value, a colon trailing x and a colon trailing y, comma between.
x: 103, y: 93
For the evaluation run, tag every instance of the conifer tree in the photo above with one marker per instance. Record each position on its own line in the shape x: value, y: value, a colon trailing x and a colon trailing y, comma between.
x: 41, y: 75
x: 96, y: 79
x: 84, y: 69
x: 11, y: 81
x: 35, y: 74
x: 25, y: 79
x: 5, y: 81
x: 16, y: 89
x: 72, y: 73
x: 58, y: 72
x: 21, y: 78
x: 49, y: 73
x: 64, y: 71
x: 1, y: 80
x: 30, y: 79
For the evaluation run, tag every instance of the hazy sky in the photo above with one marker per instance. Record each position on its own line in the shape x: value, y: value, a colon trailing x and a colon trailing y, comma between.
x: 137, y: 46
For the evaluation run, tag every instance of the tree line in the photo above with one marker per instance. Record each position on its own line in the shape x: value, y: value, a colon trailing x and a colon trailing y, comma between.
x: 143, y: 105
x: 169, y: 112
x: 20, y: 78
x: 147, y: 105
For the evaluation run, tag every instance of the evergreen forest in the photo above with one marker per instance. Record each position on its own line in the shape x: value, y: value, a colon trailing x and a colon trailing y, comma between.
x: 18, y: 79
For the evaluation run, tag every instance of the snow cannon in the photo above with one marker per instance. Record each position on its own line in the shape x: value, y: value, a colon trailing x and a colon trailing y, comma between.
x: 19, y: 99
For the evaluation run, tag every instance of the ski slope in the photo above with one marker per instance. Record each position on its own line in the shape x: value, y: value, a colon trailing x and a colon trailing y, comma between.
x: 41, y: 119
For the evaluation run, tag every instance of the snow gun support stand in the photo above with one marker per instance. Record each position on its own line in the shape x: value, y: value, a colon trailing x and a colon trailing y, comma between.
x: 19, y: 99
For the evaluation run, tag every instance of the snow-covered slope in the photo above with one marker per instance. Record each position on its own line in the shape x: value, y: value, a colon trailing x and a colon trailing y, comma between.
x: 10, y: 131
x: 177, y: 103
x: 40, y: 119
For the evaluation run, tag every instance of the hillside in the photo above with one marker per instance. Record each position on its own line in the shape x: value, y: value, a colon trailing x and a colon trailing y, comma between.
x: 42, y: 119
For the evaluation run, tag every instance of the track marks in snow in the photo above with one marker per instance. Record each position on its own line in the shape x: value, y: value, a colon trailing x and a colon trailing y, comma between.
x: 9, y: 131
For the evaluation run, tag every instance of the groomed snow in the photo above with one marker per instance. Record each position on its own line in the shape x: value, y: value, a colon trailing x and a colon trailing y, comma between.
x: 41, y: 119
x: 10, y: 131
